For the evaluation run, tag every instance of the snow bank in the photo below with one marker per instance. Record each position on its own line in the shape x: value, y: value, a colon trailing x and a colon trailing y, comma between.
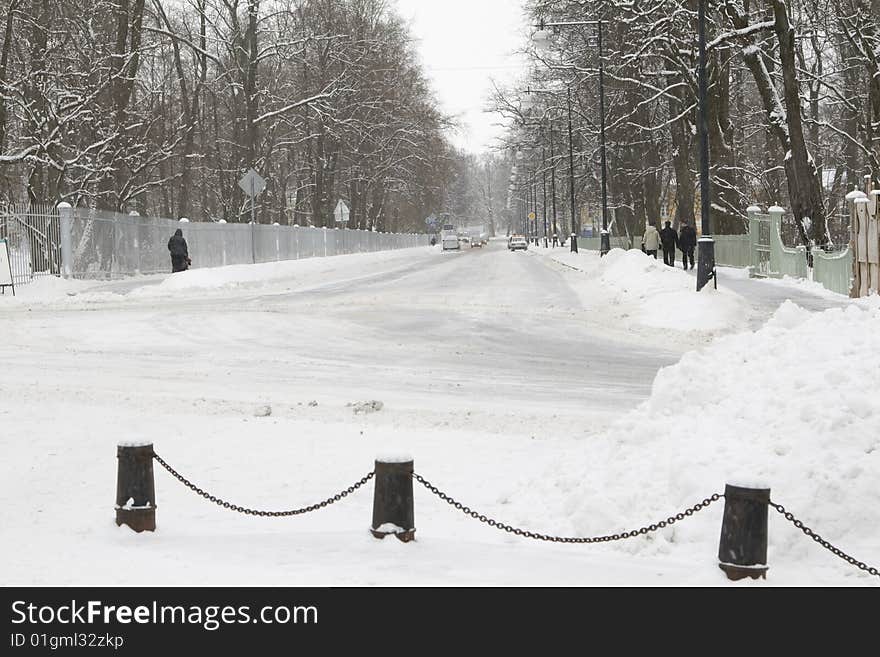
x: 44, y: 289
x: 232, y: 276
x: 793, y: 405
x: 653, y: 294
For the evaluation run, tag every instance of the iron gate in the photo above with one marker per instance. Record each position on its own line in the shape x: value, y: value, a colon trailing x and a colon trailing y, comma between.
x: 33, y: 232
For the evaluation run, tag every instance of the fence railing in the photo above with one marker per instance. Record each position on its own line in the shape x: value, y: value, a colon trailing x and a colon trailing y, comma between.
x: 784, y: 261
x: 33, y: 234
x: 742, y: 550
x: 110, y: 245
x: 91, y: 244
x: 730, y: 250
x: 833, y: 270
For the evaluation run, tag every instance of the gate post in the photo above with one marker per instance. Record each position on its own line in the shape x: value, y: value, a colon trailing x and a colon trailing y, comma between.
x: 65, y: 216
x: 135, y: 487
x: 393, y: 499
x: 742, y: 549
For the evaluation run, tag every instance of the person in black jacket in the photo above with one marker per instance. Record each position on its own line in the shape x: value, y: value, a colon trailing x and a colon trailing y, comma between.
x: 687, y: 242
x: 668, y: 240
x: 179, y: 252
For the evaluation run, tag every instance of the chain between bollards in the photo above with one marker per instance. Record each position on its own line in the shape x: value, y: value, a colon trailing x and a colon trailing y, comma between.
x: 256, y: 512
x: 566, y: 539
x: 825, y: 544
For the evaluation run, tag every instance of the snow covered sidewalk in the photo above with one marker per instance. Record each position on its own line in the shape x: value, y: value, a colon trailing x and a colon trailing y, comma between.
x: 641, y: 293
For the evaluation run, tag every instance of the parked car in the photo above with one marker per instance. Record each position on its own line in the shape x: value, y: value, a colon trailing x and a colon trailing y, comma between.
x: 517, y: 242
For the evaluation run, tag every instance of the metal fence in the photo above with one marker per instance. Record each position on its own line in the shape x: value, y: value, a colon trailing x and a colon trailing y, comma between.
x: 33, y: 234
x: 92, y: 244
x: 784, y: 261
x: 833, y: 270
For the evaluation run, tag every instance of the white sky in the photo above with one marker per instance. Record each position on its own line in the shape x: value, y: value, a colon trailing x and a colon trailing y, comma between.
x: 464, y: 45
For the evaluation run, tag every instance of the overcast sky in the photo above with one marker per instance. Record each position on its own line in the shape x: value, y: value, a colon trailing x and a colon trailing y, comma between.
x: 464, y: 45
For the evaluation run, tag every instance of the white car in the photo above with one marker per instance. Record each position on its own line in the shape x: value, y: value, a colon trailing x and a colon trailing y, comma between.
x: 450, y: 242
x: 517, y: 242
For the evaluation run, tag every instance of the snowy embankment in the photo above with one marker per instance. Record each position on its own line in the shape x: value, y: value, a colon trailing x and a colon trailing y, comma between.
x: 640, y: 291
x: 262, y: 277
x: 792, y: 406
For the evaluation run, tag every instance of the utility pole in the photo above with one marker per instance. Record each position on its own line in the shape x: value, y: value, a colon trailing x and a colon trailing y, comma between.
x: 574, y: 243
x: 706, y: 245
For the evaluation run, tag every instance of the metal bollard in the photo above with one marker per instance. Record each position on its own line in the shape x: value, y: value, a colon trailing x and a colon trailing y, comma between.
x: 742, y: 550
x: 135, y: 487
x: 393, y: 500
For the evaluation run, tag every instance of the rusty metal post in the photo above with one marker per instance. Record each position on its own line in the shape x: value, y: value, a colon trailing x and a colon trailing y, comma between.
x: 393, y: 500
x: 742, y: 550
x: 135, y: 487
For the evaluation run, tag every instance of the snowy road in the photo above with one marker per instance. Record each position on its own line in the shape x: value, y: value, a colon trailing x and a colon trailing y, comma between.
x: 490, y: 366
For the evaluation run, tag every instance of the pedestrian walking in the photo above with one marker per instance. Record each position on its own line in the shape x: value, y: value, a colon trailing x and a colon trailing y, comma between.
x: 651, y: 240
x: 669, y: 240
x: 555, y: 239
x: 687, y: 242
x: 179, y: 252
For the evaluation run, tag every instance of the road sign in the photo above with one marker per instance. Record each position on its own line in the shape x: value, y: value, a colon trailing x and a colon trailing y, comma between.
x: 532, y: 216
x: 252, y: 183
x: 431, y: 221
x: 341, y: 212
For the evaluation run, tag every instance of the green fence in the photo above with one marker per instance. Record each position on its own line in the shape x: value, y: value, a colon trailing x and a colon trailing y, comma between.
x: 833, y: 270
x: 763, y: 253
x: 730, y: 250
x: 783, y: 260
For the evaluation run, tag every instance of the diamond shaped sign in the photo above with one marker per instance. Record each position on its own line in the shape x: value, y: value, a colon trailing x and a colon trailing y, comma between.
x: 252, y: 183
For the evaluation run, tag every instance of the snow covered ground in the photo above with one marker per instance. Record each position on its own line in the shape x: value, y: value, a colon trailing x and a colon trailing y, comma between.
x: 552, y: 391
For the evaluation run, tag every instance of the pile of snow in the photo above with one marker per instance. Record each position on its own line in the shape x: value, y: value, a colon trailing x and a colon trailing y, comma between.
x: 264, y: 274
x: 793, y: 405
x: 43, y: 289
x: 653, y: 294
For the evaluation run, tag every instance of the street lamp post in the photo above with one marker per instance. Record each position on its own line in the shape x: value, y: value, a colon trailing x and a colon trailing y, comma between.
x: 552, y: 180
x: 605, y: 245
x: 706, y: 245
x: 544, y: 192
x: 541, y: 39
x: 574, y: 242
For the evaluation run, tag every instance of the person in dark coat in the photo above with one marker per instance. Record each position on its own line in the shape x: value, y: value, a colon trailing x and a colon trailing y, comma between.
x: 669, y: 240
x: 687, y: 242
x: 179, y: 252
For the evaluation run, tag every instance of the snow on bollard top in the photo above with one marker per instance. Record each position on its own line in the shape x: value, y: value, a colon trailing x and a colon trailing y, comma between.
x: 184, y: 220
x: 861, y: 199
x: 854, y: 194
x: 135, y: 443
x: 753, y: 208
x: 747, y: 482
x: 394, y: 457
x: 775, y: 209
